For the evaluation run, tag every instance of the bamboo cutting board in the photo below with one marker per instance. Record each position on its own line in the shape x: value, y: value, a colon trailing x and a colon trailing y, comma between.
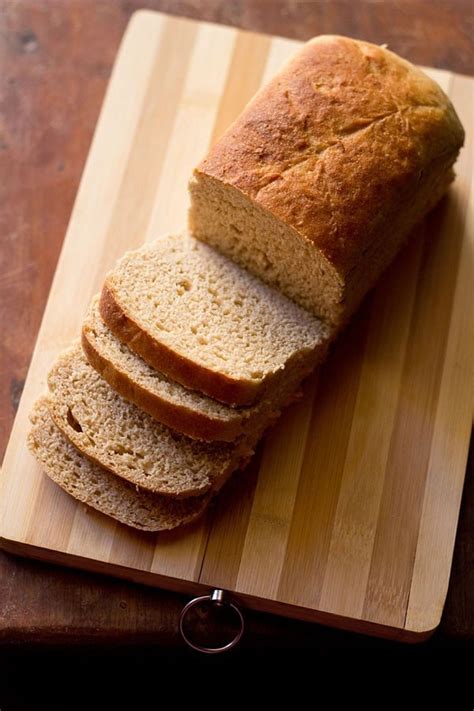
x: 348, y: 513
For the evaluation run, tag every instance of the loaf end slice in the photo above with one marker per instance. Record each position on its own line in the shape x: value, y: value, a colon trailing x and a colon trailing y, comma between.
x: 99, y: 488
x: 206, y: 323
x: 318, y: 183
x: 122, y: 438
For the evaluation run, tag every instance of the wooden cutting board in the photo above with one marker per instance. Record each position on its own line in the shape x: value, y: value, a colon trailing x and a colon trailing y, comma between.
x: 348, y: 513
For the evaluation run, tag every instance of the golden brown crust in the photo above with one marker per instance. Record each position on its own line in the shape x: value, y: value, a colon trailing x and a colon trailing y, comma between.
x: 337, y: 141
x: 190, y: 374
x: 179, y: 417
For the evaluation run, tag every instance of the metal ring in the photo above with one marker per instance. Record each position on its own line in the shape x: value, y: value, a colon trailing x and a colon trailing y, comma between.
x: 216, y: 597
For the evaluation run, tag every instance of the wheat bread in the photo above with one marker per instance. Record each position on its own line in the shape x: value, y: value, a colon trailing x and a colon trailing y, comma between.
x: 187, y: 411
x: 99, y: 488
x: 123, y: 438
x: 206, y: 323
x: 318, y: 183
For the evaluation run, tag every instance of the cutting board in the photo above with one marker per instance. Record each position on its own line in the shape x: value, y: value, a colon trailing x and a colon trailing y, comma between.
x: 348, y: 513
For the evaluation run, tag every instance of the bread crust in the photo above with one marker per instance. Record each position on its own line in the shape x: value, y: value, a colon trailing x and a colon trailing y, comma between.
x: 183, y: 370
x: 336, y: 143
x: 179, y: 417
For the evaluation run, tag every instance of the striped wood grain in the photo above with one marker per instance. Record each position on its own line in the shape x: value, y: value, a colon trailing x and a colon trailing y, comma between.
x: 348, y: 512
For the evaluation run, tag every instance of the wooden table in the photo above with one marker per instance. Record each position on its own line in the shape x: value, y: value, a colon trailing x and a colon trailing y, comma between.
x: 56, y: 58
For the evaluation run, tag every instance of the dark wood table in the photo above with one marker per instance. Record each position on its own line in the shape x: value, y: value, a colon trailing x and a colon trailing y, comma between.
x: 56, y: 57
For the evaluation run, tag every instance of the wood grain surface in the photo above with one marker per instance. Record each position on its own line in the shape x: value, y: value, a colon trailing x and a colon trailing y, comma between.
x: 349, y: 514
x: 57, y: 64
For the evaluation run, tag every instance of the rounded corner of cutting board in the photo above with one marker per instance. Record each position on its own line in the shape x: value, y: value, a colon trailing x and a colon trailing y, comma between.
x: 419, y: 628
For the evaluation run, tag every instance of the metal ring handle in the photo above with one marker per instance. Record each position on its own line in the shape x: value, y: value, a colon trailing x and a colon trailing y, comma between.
x: 216, y: 597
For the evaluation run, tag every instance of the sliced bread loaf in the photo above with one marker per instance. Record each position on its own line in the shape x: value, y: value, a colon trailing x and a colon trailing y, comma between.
x: 99, y: 488
x: 206, y: 323
x: 318, y: 183
x: 184, y: 410
x: 119, y: 436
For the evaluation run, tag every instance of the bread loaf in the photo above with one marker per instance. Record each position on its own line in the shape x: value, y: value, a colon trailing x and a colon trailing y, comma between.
x: 318, y: 183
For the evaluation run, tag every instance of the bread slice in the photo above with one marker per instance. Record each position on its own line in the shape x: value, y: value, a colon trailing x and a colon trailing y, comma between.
x: 99, y: 488
x: 206, y: 323
x: 319, y: 182
x: 184, y: 410
x: 122, y: 438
